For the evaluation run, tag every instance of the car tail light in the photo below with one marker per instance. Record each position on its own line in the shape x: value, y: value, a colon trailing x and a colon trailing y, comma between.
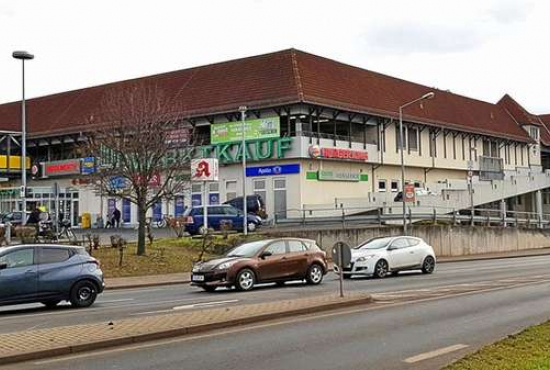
x: 189, y: 220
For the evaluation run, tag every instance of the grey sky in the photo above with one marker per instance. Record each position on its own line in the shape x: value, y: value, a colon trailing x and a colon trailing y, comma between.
x: 481, y: 49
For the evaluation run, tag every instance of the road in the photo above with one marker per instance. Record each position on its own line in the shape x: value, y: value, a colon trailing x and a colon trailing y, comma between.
x: 119, y: 304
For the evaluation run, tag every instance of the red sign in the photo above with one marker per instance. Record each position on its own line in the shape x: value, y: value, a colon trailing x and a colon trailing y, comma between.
x: 59, y: 168
x: 338, y: 153
x: 409, y: 193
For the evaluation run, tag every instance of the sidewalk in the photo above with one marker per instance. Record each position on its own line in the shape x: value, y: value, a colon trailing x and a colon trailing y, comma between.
x: 44, y: 343
x: 185, y: 277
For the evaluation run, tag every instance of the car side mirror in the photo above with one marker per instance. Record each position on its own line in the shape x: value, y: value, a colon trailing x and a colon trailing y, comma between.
x: 3, y: 265
x: 265, y: 254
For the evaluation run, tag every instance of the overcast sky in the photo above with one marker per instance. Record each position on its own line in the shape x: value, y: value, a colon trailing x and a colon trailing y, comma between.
x: 479, y: 48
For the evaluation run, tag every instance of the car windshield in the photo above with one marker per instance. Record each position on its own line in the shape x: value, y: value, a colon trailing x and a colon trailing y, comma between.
x: 247, y: 250
x: 377, y: 243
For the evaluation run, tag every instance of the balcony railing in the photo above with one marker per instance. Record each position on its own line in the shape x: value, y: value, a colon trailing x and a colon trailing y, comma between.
x: 491, y: 168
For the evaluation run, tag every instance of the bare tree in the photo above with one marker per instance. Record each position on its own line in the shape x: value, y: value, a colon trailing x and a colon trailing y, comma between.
x: 143, y: 148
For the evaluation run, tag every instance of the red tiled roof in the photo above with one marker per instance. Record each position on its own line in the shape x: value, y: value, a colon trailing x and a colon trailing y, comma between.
x: 285, y: 77
x: 545, y: 129
x: 518, y: 113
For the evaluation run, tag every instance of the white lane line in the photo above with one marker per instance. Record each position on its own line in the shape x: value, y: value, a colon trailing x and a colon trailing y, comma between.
x: 435, y: 353
x: 116, y: 300
x: 186, y: 307
x: 204, y: 304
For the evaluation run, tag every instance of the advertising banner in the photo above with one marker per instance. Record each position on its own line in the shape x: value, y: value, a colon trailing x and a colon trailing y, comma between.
x: 60, y: 168
x: 325, y: 175
x: 284, y: 169
x: 254, y: 129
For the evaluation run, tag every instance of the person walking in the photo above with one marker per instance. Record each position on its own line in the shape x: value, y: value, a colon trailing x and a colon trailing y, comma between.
x: 116, y: 217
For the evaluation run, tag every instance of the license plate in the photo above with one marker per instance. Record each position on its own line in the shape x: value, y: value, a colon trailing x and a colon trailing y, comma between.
x: 197, y: 278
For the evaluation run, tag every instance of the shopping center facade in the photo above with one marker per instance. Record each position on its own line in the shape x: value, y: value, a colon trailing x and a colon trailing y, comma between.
x: 332, y: 142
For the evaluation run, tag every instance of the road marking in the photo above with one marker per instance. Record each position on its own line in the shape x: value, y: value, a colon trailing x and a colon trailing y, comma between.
x: 435, y: 353
x: 204, y: 304
x: 116, y: 300
x: 283, y: 321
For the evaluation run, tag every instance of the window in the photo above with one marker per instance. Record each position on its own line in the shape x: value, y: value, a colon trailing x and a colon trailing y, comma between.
x: 52, y: 255
x: 394, y: 185
x: 412, y: 242
x: 260, y: 188
x: 382, y: 185
x: 521, y: 152
x: 417, y: 184
x: 534, y: 133
x: 400, y: 243
x: 296, y: 246
x: 216, y: 210
x: 277, y: 248
x: 433, y: 144
x: 454, y: 146
x: 463, y: 148
x: 495, y: 150
x: 232, y: 211
x: 18, y: 258
x: 398, y: 139
x: 412, y: 138
x: 230, y: 189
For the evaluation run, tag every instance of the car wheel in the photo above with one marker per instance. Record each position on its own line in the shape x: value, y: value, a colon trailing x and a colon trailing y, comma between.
x: 251, y: 226
x: 50, y: 304
x: 83, y: 294
x: 245, y: 280
x: 381, y: 269
x: 209, y: 288
x: 280, y: 283
x: 314, y: 274
x: 429, y: 265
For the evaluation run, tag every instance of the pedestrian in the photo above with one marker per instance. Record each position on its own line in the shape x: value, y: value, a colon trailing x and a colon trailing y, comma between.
x: 34, y: 217
x: 116, y: 217
x: 109, y: 223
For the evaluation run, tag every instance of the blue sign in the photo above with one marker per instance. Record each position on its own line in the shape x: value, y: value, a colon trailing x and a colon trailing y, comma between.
x: 117, y: 182
x: 88, y: 166
x: 179, y: 206
x: 213, y: 198
x: 157, y: 211
x: 196, y: 200
x: 126, y: 211
x: 283, y: 169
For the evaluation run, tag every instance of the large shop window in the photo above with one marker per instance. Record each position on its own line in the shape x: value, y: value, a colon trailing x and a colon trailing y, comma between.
x: 214, y: 193
x: 230, y: 189
x: 260, y: 188
x: 279, y: 197
x: 196, y: 195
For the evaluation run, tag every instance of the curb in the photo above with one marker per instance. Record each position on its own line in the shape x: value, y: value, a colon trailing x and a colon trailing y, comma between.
x: 498, y: 257
x: 141, y: 338
x: 145, y: 285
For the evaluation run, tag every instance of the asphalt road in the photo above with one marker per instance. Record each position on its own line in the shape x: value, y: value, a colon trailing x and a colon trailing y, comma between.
x: 120, y: 304
x: 419, y: 335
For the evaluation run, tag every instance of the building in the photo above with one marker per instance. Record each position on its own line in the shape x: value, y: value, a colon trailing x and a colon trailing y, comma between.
x: 332, y: 142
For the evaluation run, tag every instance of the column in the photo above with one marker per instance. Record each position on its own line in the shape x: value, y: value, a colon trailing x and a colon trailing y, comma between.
x: 538, y: 205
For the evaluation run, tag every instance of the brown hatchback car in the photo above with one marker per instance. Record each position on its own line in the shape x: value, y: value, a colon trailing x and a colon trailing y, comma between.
x: 263, y: 261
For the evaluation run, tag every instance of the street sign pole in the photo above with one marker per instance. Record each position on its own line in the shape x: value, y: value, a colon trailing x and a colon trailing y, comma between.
x: 341, y: 257
x: 205, y: 206
x: 341, y: 268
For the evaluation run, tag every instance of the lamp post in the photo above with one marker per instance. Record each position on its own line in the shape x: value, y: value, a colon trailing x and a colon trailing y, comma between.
x: 426, y: 96
x: 23, y: 55
x: 242, y: 109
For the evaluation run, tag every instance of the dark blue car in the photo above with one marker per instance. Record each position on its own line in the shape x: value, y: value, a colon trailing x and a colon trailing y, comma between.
x: 217, y: 215
x: 49, y: 274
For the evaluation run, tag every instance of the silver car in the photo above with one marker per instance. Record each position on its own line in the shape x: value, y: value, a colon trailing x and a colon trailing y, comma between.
x: 379, y: 256
x: 49, y: 274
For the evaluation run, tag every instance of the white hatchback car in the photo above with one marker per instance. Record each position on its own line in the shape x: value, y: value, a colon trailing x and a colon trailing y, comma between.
x: 379, y: 256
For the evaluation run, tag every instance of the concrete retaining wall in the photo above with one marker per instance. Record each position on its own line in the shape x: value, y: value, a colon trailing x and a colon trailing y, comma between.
x: 447, y: 241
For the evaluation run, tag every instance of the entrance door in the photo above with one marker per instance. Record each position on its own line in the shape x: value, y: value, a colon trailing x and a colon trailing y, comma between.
x: 279, y: 198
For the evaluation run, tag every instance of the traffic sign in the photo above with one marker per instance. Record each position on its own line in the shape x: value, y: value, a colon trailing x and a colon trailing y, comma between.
x: 341, y: 254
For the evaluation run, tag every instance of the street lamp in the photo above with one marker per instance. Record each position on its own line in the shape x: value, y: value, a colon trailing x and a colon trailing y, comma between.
x: 23, y: 55
x: 242, y: 109
x: 426, y: 96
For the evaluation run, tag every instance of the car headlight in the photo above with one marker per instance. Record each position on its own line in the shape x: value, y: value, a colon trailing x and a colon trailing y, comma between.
x: 224, y: 266
x: 197, y: 267
x: 364, y: 258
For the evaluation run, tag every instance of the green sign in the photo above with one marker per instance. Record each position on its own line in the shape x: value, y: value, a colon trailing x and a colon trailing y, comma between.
x: 230, y: 132
x: 325, y: 175
x: 256, y: 150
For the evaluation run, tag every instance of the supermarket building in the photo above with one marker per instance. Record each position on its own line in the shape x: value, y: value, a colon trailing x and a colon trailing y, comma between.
x: 332, y: 142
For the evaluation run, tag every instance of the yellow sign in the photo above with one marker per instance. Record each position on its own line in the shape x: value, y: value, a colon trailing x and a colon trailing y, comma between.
x: 15, y: 162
